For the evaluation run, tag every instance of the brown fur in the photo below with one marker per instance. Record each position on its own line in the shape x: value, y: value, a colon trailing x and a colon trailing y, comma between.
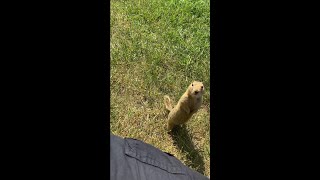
x: 188, y: 104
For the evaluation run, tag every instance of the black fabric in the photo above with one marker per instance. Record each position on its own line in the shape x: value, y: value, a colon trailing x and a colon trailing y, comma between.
x: 135, y: 160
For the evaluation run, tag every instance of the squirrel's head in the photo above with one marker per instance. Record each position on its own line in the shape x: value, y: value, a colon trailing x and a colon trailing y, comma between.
x: 196, y: 89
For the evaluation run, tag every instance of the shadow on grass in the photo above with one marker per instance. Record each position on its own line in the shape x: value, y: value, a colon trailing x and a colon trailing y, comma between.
x: 182, y: 139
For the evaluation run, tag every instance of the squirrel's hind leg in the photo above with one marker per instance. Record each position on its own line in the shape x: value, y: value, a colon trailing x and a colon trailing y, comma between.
x: 170, y: 126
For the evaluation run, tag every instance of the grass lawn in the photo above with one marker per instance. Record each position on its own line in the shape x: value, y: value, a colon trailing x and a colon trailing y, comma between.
x: 158, y: 47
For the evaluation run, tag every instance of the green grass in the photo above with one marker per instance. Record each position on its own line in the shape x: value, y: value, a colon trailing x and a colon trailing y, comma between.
x: 158, y: 47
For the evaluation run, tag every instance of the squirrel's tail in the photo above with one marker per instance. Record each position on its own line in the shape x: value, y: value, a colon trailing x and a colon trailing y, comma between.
x: 167, y: 103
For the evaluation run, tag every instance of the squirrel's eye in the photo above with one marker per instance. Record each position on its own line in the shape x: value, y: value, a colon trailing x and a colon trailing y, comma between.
x: 201, y: 87
x: 192, y: 84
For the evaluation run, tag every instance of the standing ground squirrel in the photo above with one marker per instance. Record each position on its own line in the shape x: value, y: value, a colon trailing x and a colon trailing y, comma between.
x: 188, y: 104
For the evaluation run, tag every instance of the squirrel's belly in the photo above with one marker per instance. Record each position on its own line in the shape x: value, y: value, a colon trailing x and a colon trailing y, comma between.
x: 179, y: 117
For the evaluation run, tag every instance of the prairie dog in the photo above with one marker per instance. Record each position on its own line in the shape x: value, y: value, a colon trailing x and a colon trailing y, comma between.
x: 188, y: 104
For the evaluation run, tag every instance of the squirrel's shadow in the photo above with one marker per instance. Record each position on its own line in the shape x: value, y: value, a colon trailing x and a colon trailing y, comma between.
x: 182, y: 139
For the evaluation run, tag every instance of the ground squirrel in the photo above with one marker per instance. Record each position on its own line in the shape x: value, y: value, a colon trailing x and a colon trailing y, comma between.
x: 188, y: 104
